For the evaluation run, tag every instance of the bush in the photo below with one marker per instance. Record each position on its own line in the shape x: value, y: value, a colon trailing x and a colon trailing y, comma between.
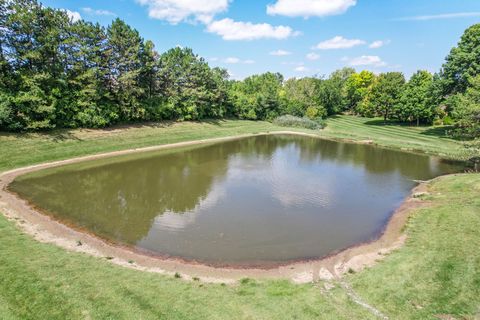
x: 291, y: 121
x: 447, y: 121
x: 312, y: 113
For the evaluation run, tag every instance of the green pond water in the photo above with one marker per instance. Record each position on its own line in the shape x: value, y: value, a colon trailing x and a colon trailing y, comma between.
x: 251, y: 201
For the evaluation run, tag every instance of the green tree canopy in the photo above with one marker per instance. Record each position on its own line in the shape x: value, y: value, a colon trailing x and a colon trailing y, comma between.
x: 357, y: 87
x: 257, y: 97
x: 415, y: 102
x: 192, y: 90
x: 386, y: 93
x: 465, y: 109
x: 301, y: 94
x: 60, y: 73
x: 332, y: 93
x: 463, y: 62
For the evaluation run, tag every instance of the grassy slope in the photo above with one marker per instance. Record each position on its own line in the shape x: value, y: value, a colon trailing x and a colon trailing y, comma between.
x: 431, y: 140
x: 23, y: 149
x: 45, y: 282
x: 437, y: 272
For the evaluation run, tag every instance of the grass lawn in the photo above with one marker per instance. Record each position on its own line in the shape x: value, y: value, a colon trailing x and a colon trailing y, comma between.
x: 430, y: 140
x: 19, y: 150
x: 435, y: 275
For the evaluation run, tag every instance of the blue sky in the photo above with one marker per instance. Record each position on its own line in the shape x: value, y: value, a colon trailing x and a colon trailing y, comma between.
x: 295, y: 37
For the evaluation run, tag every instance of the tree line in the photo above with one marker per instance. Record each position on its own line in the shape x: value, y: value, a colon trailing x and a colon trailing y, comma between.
x: 60, y: 73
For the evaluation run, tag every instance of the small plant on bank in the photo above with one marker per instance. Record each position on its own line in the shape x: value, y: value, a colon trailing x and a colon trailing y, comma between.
x: 177, y: 275
x: 297, y: 122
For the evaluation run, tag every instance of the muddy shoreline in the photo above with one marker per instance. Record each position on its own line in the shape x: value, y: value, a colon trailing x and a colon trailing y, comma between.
x: 46, y: 229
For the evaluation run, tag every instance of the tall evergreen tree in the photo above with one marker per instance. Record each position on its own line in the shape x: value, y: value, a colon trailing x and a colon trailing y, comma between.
x: 125, y: 53
x: 191, y: 89
x: 35, y: 41
x: 89, y: 103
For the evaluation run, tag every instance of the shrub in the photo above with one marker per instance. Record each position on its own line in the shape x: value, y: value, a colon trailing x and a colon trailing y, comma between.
x: 447, y: 121
x: 291, y: 121
x: 312, y: 113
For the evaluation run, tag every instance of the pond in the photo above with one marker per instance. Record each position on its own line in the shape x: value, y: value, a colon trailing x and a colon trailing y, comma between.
x: 260, y: 200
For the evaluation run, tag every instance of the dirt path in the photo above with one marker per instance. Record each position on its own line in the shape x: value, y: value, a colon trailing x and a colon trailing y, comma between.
x: 358, y: 300
x: 47, y: 230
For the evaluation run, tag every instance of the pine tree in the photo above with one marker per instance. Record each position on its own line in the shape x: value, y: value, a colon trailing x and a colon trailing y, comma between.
x: 125, y: 45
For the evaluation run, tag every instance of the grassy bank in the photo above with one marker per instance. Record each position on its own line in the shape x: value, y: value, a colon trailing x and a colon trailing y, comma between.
x: 29, y: 148
x: 430, y: 140
x: 435, y: 275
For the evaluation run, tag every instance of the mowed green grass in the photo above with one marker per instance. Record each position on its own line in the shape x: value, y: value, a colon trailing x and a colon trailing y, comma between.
x: 41, y: 281
x: 435, y: 275
x: 31, y: 148
x: 437, y: 272
x: 430, y: 140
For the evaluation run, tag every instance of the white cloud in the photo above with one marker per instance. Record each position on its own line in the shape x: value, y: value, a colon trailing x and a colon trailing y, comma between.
x: 309, y: 8
x: 312, y: 56
x: 73, y: 15
x: 235, y: 60
x: 229, y: 29
x: 98, y: 12
x: 280, y: 53
x: 378, y: 44
x: 175, y: 11
x: 232, y: 60
x: 339, y: 42
x: 441, y: 16
x: 301, y: 69
x: 374, y: 61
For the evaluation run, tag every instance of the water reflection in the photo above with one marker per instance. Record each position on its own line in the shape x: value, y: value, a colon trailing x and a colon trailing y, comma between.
x: 266, y: 198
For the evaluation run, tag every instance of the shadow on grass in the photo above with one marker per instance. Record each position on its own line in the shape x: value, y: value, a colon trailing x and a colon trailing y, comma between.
x: 377, y: 121
x: 443, y: 132
x: 154, y: 124
x: 56, y: 135
x: 61, y: 135
x: 216, y: 122
x: 381, y: 122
